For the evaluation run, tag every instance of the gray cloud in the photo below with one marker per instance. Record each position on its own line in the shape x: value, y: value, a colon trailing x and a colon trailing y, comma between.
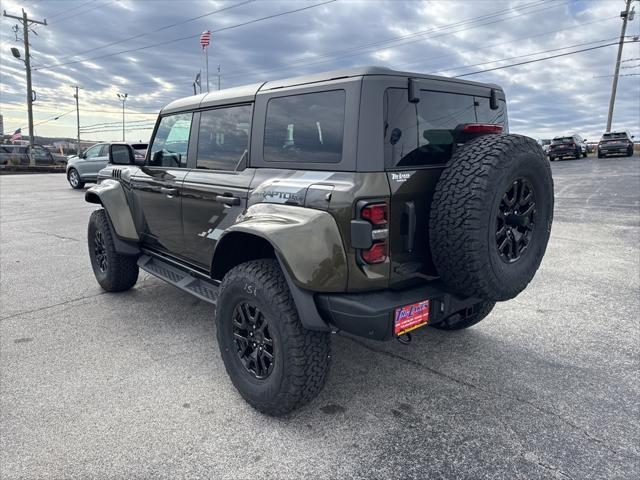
x: 545, y: 98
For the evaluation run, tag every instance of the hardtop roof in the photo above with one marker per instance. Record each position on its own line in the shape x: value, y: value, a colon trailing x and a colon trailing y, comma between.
x: 247, y: 93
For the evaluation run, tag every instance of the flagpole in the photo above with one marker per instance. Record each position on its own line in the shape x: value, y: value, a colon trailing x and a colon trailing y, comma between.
x: 207, y: 57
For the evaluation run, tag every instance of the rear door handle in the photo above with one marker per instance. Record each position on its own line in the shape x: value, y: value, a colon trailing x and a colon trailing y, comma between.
x: 168, y: 191
x: 227, y: 200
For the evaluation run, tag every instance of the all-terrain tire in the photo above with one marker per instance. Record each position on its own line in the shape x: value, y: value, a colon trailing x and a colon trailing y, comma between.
x: 464, y: 225
x: 467, y: 317
x: 73, y: 177
x: 301, y: 357
x: 113, y: 271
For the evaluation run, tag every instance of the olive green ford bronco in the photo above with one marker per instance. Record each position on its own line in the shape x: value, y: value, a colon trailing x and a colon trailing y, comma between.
x: 367, y: 201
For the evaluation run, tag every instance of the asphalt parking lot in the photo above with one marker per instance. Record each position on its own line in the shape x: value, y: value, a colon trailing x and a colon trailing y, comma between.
x: 131, y: 385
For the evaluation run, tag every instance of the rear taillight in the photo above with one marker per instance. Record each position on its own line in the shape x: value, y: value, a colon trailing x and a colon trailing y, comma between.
x: 376, y: 254
x: 482, y: 128
x: 371, y: 232
x: 376, y: 213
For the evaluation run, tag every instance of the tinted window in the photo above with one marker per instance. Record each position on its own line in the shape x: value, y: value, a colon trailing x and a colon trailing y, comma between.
x: 614, y: 135
x: 559, y: 140
x: 170, y: 145
x: 93, y: 151
x: 223, y: 139
x: 305, y: 128
x: 424, y: 133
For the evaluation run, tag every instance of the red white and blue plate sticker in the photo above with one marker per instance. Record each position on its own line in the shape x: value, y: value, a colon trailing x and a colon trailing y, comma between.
x: 410, y: 317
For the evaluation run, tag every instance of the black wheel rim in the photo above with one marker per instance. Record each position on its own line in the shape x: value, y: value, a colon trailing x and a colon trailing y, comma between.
x: 99, y: 251
x: 253, y: 340
x: 516, y: 220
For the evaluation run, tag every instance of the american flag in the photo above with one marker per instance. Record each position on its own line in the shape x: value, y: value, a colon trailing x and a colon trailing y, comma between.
x: 205, y: 39
x: 17, y: 135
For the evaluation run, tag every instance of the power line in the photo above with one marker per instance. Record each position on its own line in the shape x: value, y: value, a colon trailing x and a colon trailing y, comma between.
x: 520, y: 39
x: 157, y: 29
x: 525, y: 55
x: 541, y: 59
x: 625, y: 75
x: 466, y: 24
x: 269, y: 17
x: 83, y: 12
x: 70, y: 9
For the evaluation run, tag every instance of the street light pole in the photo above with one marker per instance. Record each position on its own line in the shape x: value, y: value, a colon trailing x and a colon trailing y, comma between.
x: 77, y: 116
x: 614, y: 85
x: 26, y: 22
x: 123, y: 98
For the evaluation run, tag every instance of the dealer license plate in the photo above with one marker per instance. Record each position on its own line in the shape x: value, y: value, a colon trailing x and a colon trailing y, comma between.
x: 410, y: 317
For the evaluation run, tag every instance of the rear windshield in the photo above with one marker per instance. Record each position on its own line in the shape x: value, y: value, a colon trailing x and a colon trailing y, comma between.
x: 423, y: 133
x: 614, y: 135
x: 562, y: 140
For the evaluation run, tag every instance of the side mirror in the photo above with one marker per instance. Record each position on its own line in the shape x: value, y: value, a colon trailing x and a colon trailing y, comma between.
x: 121, y: 154
x: 82, y: 155
x: 584, y: 139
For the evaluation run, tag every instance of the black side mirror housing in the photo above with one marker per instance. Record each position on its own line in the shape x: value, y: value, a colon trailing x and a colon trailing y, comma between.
x: 493, y: 100
x: 121, y: 154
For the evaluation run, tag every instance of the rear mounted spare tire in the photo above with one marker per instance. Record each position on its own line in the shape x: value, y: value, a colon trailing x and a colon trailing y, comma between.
x: 491, y: 216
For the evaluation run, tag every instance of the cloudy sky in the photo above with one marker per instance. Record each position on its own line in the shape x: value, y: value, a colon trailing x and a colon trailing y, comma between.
x: 150, y: 50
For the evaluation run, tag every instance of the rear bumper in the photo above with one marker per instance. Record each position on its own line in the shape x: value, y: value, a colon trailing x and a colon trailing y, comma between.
x: 563, y: 153
x: 371, y: 314
x: 613, y: 150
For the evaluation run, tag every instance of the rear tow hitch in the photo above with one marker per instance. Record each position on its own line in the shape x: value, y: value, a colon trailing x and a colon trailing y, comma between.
x: 405, y: 338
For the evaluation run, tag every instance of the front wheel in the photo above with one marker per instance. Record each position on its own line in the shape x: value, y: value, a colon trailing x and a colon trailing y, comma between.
x: 74, y: 179
x: 467, y: 317
x: 113, y: 271
x: 274, y: 362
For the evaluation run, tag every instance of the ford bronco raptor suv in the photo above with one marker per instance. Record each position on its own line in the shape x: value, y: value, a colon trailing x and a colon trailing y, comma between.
x: 367, y: 201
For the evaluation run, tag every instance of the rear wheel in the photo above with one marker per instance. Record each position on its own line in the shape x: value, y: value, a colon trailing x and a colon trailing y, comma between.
x: 114, y: 272
x: 578, y: 153
x: 275, y: 363
x: 630, y: 152
x: 467, y: 317
x: 491, y: 217
x: 74, y: 179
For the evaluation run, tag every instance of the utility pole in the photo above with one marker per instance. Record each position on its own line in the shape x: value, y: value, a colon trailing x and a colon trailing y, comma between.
x: 614, y: 85
x: 26, y: 23
x: 77, y: 87
x: 218, y: 76
x: 123, y: 98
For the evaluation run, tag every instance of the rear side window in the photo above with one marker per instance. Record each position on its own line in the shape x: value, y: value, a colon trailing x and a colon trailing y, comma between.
x: 171, y: 142
x: 307, y: 128
x: 424, y: 133
x: 223, y: 140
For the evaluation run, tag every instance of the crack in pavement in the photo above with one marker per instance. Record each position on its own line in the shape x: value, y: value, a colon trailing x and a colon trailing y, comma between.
x: 494, y: 393
x: 26, y: 312
x: 49, y: 234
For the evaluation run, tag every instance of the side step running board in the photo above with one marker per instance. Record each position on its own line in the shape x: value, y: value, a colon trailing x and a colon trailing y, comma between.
x: 204, y: 290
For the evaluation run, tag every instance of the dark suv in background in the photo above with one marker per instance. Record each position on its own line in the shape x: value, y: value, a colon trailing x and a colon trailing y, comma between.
x: 19, y: 155
x: 568, y: 146
x: 615, y: 143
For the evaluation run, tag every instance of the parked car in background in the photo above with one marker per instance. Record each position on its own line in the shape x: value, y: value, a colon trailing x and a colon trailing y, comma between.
x: 545, y: 143
x: 615, y: 143
x: 568, y: 146
x: 84, y: 168
x: 19, y: 155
